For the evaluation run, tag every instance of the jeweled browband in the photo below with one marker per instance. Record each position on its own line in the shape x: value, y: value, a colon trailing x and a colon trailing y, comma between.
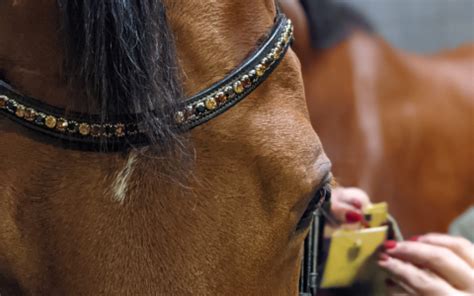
x: 86, y: 130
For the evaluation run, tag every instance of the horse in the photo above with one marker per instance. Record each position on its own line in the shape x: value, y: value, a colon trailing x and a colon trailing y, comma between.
x: 94, y: 206
x: 394, y: 123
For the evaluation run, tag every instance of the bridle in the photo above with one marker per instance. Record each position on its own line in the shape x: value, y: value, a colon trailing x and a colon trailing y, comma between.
x: 311, y: 266
x: 87, y: 132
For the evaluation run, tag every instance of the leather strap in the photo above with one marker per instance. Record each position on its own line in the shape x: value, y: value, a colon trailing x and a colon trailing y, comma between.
x: 87, y: 132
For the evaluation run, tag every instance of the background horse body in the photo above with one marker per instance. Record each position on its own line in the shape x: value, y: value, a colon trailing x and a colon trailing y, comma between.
x: 400, y: 125
x: 220, y: 219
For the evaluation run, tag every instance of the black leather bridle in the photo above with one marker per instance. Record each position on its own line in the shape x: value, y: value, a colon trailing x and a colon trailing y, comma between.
x: 87, y: 132
x: 312, y: 265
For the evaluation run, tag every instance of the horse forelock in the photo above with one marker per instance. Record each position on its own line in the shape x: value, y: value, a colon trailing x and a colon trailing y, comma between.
x: 122, y: 56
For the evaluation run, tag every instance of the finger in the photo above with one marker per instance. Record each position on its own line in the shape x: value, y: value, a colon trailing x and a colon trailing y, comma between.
x: 394, y: 287
x: 359, y: 195
x: 460, y: 246
x: 416, y: 280
x: 352, y: 196
x: 440, y: 260
x: 345, y: 213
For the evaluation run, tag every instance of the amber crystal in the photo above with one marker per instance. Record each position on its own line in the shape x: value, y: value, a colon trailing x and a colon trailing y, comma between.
x: 120, y: 130
x: 20, y: 111
x: 3, y: 102
x: 221, y: 97
x: 246, y: 82
x: 84, y: 129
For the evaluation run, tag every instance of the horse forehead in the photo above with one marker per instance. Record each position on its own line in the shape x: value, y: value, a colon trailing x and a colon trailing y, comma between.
x: 27, y: 21
x: 29, y: 7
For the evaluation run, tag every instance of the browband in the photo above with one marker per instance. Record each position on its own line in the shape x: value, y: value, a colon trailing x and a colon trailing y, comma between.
x: 85, y: 131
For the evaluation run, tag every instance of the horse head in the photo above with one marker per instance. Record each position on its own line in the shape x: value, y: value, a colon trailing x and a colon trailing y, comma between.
x: 216, y: 210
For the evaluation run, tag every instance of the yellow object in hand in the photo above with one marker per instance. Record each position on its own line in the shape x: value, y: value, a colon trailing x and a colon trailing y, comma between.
x: 348, y: 252
x: 377, y: 213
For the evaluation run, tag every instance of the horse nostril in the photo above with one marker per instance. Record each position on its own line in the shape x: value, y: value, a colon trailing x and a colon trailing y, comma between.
x: 316, y: 202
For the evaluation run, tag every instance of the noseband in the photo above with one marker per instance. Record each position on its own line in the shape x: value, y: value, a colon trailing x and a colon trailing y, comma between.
x: 87, y: 132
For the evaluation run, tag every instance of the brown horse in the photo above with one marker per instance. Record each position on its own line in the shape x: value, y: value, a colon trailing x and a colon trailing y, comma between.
x: 397, y: 124
x: 213, y: 212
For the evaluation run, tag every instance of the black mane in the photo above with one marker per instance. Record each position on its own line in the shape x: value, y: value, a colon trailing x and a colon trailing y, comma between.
x: 331, y: 22
x: 121, y: 55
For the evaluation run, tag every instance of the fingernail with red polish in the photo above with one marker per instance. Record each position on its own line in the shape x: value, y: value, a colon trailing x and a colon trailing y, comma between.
x: 390, y: 244
x: 353, y: 217
x: 414, y: 238
x: 356, y: 203
x: 383, y: 257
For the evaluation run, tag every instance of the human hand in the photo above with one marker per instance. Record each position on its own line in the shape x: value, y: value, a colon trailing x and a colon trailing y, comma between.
x: 347, y: 204
x: 431, y: 265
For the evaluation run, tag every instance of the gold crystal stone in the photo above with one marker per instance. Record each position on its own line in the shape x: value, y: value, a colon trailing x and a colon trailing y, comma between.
x: 30, y: 114
x: 50, y: 121
x: 120, y: 130
x: 260, y: 69
x: 3, y: 101
x: 20, y: 111
x: 211, y: 103
x: 277, y: 52
x: 179, y: 117
x: 61, y: 125
x: 84, y: 129
x: 238, y: 87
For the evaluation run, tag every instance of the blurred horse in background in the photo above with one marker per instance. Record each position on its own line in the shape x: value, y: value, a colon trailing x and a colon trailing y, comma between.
x: 396, y: 124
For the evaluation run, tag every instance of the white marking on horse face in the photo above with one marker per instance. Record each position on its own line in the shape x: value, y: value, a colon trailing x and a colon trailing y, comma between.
x: 120, y: 185
x: 365, y: 60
